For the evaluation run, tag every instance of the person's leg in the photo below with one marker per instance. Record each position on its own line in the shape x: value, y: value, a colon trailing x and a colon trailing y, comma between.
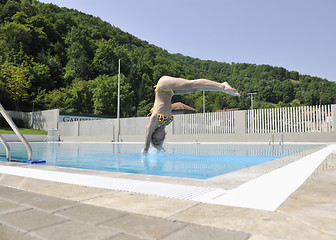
x: 171, y: 83
x: 181, y: 85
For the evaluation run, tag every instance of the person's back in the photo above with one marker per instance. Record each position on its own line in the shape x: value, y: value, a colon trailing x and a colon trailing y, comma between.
x: 162, y: 103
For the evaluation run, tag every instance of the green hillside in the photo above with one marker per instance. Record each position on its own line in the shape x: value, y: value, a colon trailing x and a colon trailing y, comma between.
x: 60, y: 58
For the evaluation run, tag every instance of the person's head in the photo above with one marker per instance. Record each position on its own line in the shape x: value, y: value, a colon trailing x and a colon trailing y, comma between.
x: 158, y: 138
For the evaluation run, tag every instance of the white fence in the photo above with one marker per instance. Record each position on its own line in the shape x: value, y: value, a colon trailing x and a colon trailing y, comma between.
x: 132, y: 126
x: 291, y: 119
x: 306, y: 123
x: 199, y: 123
x: 204, y: 123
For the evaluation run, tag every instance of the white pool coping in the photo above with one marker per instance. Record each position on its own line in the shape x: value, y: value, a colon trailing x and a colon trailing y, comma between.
x: 266, y: 192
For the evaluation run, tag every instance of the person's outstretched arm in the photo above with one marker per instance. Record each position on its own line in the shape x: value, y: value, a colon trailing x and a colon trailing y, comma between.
x: 149, y: 132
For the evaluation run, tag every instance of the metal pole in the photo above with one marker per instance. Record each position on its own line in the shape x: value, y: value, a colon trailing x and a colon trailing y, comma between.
x: 118, y: 107
x: 7, y: 147
x: 32, y: 117
x: 321, y: 94
x: 203, y: 101
x: 17, y: 131
x: 251, y: 94
x: 252, y: 113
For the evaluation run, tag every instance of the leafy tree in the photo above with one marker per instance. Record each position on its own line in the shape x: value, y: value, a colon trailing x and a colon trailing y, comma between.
x: 9, y: 9
x: 17, y: 82
x: 144, y: 108
x: 71, y: 61
x: 105, y: 95
x: 28, y: 7
x: 105, y: 61
x: 78, y: 52
x: 76, y: 98
x: 2, y: 90
x: 55, y: 99
x: 52, y: 76
x: 40, y: 76
x: 16, y: 37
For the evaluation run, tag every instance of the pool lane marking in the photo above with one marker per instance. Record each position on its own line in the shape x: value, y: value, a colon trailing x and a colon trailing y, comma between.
x: 266, y: 192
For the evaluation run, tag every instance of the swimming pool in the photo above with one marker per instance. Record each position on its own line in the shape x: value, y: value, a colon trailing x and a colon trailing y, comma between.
x: 198, y: 161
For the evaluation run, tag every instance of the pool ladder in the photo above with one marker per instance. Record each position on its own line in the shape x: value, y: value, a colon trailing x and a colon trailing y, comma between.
x: 18, y: 133
x: 271, y: 138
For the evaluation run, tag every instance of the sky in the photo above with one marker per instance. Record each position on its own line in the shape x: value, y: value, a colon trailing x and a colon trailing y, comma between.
x: 299, y: 35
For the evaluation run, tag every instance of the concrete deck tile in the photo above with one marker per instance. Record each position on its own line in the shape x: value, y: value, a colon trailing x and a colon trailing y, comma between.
x: 195, y: 232
x: 51, y: 204
x: 144, y: 227
x: 7, y: 207
x: 75, y: 192
x: 311, y: 194
x: 7, y: 190
x: 328, y: 175
x: 314, y: 203
x: 327, y: 223
x: 28, y: 220
x: 7, y: 233
x: 74, y: 230
x: 327, y: 210
x: 21, y: 197
x: 271, y: 224
x: 11, y: 181
x: 36, y: 185
x: 56, y: 189
x: 124, y: 237
x: 321, y: 216
x: 261, y: 237
x: 91, y: 214
x: 142, y: 204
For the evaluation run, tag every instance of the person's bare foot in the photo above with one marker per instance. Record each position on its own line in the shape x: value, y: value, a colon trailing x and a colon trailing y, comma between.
x: 229, y: 90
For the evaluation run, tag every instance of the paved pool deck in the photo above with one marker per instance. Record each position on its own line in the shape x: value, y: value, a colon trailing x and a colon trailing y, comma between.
x: 38, y: 209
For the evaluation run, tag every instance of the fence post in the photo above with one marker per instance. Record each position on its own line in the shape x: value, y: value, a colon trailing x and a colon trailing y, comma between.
x: 76, y: 129
x: 239, y: 120
x: 333, y: 115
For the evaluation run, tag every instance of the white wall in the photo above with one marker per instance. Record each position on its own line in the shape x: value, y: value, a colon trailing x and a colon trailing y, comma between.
x: 209, y: 127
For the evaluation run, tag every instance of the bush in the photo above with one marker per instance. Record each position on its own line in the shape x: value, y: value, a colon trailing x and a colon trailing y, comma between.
x: 19, y: 122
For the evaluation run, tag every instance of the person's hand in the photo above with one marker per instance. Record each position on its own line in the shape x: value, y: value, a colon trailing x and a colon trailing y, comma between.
x: 144, y: 152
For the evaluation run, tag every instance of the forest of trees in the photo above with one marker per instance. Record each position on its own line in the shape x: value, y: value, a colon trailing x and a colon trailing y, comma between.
x: 53, y: 57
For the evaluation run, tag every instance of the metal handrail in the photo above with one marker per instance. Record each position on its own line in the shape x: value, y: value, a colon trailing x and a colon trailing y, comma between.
x: 281, y: 139
x: 8, y: 154
x: 17, y: 131
x: 271, y: 138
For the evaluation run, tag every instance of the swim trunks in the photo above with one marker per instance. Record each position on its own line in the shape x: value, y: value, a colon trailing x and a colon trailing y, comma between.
x: 164, y: 119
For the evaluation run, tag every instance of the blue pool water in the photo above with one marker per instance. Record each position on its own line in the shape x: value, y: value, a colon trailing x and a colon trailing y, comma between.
x: 200, y: 161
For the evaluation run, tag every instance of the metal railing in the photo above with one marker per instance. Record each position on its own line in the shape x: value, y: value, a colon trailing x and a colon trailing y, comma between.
x: 290, y: 119
x: 318, y: 123
x: 271, y: 139
x: 8, y: 154
x: 198, y: 123
x: 18, y: 133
